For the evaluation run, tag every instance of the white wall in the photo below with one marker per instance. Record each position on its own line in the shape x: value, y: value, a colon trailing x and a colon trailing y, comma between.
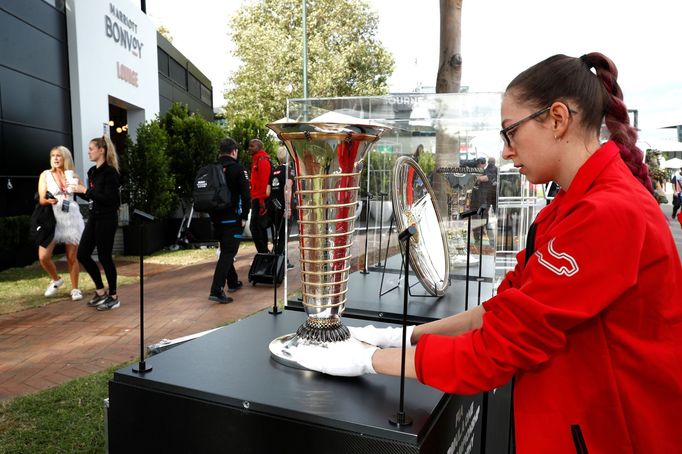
x: 102, y: 36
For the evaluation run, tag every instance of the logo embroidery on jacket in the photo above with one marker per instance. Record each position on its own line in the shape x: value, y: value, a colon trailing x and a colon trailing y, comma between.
x: 566, y: 265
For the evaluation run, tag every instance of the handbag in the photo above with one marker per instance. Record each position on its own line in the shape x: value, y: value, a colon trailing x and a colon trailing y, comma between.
x: 43, y: 224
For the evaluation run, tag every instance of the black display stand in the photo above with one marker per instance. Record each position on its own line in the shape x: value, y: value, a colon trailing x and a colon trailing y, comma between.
x: 223, y: 393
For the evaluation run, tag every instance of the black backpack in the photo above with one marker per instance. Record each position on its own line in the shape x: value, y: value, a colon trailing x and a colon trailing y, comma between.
x: 210, y: 191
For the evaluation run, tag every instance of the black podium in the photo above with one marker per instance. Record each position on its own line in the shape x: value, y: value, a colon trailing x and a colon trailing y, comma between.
x: 223, y: 393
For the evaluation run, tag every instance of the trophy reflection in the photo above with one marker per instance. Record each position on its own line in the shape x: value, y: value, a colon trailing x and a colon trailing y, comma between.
x: 328, y: 159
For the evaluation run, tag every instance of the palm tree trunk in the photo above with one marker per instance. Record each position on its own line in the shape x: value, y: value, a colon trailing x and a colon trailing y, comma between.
x: 448, y: 80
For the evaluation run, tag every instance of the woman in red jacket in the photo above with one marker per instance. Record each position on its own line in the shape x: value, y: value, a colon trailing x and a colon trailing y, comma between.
x: 590, y: 321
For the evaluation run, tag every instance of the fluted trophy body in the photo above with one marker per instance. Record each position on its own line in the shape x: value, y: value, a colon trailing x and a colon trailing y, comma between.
x: 328, y: 158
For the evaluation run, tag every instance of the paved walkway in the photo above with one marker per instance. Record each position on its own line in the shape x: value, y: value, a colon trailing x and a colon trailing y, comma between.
x: 47, y: 346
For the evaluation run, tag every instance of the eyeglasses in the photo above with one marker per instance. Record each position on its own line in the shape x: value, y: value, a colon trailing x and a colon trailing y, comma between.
x: 504, y: 133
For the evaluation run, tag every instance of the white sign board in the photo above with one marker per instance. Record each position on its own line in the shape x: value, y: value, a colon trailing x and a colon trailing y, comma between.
x: 112, y: 59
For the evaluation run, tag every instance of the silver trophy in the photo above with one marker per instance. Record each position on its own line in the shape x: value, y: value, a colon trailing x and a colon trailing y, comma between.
x: 328, y: 159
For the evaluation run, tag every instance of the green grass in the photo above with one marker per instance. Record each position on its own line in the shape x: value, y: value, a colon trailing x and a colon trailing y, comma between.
x: 66, y: 419
x: 23, y: 288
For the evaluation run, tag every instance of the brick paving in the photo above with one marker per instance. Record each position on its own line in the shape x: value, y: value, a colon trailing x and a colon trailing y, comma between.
x: 46, y: 346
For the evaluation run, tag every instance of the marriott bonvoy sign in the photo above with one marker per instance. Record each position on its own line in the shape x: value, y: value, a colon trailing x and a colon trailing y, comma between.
x: 122, y: 30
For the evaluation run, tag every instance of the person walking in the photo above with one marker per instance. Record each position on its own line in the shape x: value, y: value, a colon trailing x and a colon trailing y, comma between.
x: 103, y: 193
x: 677, y: 192
x: 229, y: 223
x: 260, y: 193
x: 69, y: 222
x: 589, y: 322
x: 488, y: 184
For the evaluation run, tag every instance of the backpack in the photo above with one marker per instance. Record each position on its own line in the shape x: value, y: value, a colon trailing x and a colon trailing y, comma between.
x: 210, y: 191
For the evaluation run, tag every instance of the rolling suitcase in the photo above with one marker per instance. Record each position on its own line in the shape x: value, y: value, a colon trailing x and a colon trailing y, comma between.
x: 262, y: 268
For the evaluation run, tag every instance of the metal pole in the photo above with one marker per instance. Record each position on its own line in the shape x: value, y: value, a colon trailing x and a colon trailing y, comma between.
x: 305, y: 52
x: 142, y: 367
x: 365, y: 269
x: 381, y: 226
x: 400, y: 418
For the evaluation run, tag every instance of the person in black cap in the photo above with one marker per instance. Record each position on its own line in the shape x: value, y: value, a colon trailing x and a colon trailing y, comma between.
x: 229, y: 223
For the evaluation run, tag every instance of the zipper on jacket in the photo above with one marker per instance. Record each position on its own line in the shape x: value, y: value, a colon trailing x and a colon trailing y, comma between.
x: 578, y: 440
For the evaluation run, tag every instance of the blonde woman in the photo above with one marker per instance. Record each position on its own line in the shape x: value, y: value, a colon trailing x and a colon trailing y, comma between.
x: 103, y: 193
x: 54, y: 189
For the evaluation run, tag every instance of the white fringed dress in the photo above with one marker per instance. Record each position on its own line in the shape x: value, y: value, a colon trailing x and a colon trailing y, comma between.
x: 70, y: 223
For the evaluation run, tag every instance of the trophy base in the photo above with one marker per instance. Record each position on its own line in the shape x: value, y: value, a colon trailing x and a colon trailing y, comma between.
x: 285, y: 349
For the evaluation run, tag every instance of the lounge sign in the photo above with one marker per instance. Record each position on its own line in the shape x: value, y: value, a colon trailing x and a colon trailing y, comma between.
x: 122, y: 30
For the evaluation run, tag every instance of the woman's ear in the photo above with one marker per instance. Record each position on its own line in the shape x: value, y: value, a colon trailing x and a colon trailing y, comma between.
x: 561, y: 117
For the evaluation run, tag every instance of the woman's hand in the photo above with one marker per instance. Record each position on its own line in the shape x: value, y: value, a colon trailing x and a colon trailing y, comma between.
x: 382, y: 337
x: 344, y: 359
x: 79, y: 189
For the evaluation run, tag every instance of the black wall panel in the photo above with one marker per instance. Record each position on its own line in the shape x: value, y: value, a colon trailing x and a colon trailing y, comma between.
x: 27, y: 150
x: 35, y: 106
x: 30, y: 101
x: 39, y: 14
x: 29, y: 50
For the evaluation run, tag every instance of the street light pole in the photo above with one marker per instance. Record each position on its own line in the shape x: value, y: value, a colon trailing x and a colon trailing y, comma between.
x: 305, y: 51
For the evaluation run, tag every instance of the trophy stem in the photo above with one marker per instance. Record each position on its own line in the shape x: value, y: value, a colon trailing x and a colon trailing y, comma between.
x: 323, y: 330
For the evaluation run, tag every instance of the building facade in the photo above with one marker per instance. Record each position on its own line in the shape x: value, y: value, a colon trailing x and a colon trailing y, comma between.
x: 77, y: 69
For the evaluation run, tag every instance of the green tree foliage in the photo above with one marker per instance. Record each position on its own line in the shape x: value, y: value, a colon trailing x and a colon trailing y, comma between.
x: 345, y: 58
x: 243, y: 129
x: 148, y: 182
x: 163, y: 31
x: 192, y: 143
x: 658, y: 175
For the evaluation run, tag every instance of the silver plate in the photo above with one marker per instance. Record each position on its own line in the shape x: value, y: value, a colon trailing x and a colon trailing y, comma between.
x: 414, y: 204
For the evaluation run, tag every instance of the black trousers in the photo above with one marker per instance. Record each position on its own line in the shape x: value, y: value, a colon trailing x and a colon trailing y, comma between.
x: 676, y: 204
x: 229, y: 236
x: 99, y: 232
x: 259, y: 226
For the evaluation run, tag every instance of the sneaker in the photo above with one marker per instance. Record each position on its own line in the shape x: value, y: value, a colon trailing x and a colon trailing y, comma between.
x: 97, y: 300
x: 289, y: 265
x: 54, y: 285
x: 76, y: 295
x: 237, y: 287
x: 109, y: 303
x: 220, y: 298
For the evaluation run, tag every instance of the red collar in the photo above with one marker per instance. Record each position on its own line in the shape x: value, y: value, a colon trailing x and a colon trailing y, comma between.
x: 583, y: 179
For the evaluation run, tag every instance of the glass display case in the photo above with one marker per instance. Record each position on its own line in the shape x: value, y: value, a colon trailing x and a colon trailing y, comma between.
x: 454, y: 138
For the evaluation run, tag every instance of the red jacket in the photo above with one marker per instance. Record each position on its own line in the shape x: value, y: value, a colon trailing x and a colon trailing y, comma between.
x: 260, y: 175
x: 591, y: 326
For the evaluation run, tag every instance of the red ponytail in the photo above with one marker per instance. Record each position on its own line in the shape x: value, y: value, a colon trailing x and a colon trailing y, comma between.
x: 617, y: 119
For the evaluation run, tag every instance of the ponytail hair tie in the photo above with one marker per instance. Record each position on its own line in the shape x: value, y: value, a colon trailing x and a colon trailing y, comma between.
x: 585, y: 59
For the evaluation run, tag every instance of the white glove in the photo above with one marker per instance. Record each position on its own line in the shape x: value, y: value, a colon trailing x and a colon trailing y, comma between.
x: 345, y: 359
x: 382, y: 337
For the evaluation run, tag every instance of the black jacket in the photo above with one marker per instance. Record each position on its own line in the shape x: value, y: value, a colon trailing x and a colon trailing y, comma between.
x: 103, y: 191
x: 238, y: 182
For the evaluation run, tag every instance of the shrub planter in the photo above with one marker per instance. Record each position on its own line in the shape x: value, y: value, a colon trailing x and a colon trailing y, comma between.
x: 154, y: 237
